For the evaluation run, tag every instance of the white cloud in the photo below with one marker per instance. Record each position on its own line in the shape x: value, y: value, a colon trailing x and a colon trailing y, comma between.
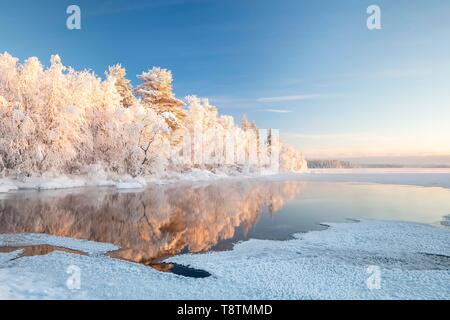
x: 278, y: 110
x: 241, y: 102
x: 326, y: 136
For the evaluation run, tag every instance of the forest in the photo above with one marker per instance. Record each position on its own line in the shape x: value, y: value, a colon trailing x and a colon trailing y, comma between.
x: 59, y: 121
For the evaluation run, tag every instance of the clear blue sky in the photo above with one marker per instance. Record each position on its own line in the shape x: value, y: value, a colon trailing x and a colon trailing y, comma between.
x: 308, y: 67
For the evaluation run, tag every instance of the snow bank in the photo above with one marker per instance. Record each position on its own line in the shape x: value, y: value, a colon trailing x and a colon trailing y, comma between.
x: 52, y: 183
x: 131, y: 183
x: 414, y: 261
x: 89, y: 247
x: 419, y: 177
x: 124, y: 182
x: 6, y: 187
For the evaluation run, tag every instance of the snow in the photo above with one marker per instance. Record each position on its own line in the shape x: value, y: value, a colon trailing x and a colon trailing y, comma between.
x: 5, y: 257
x: 401, y: 176
x: 446, y: 221
x: 419, y: 177
x: 89, y: 247
x: 6, y: 187
x: 131, y: 183
x: 169, y: 116
x: 121, y: 183
x: 53, y: 183
x: 332, y: 264
x: 195, y: 175
x: 124, y: 182
x: 414, y: 260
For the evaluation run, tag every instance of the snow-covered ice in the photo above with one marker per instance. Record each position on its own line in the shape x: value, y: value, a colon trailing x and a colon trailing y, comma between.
x: 4, y: 257
x: 414, y: 260
x: 416, y: 176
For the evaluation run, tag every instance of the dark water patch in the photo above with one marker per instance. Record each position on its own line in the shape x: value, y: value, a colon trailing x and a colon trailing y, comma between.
x: 155, y: 263
x: 181, y: 270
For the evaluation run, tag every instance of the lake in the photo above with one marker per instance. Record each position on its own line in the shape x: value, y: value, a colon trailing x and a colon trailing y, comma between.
x: 165, y: 220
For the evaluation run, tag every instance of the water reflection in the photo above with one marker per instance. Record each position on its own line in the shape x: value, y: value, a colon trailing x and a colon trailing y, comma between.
x: 167, y: 220
x: 150, y: 225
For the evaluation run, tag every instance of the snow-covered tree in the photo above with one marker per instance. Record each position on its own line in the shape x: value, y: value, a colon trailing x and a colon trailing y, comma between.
x: 123, y: 85
x: 291, y: 160
x: 9, y: 77
x: 245, y: 124
x: 156, y: 93
x: 62, y: 121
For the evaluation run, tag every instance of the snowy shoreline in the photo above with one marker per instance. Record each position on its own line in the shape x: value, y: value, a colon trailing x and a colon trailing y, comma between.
x: 418, y: 177
x: 121, y: 183
x: 413, y: 259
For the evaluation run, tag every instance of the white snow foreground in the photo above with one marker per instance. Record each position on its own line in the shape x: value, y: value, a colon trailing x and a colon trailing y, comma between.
x: 413, y: 259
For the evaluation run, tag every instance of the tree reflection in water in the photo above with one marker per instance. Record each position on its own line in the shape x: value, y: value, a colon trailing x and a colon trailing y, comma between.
x: 156, y: 223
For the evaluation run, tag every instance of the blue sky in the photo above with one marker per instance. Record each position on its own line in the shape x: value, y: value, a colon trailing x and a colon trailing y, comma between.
x: 310, y: 68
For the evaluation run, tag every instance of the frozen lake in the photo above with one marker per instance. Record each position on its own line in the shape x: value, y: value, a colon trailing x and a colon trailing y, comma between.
x: 266, y: 238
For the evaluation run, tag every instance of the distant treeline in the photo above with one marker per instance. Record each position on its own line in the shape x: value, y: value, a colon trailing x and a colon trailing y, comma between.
x: 340, y: 164
x: 318, y: 164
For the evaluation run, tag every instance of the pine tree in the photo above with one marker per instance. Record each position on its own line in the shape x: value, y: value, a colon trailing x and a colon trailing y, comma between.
x: 123, y: 85
x: 156, y: 93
